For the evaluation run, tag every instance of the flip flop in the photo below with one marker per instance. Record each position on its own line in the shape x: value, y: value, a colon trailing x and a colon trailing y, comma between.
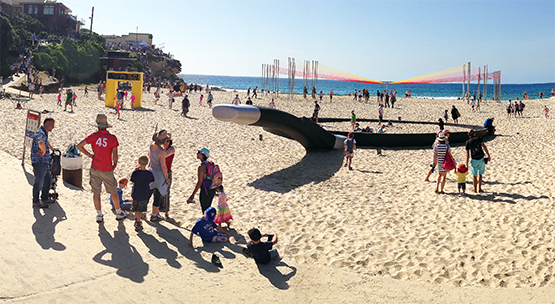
x: 216, y: 261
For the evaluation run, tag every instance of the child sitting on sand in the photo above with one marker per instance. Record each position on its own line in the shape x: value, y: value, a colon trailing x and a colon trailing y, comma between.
x: 125, y: 204
x: 208, y: 231
x: 223, y: 215
x: 262, y: 252
x: 461, y: 173
x: 349, y: 148
x: 141, y: 179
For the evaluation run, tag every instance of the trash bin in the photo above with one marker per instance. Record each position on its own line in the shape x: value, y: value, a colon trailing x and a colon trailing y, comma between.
x: 72, y: 171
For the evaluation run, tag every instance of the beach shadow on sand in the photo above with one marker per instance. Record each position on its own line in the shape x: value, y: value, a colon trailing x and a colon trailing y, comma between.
x: 159, y: 249
x: 314, y: 167
x: 29, y: 175
x: 179, y: 241
x: 123, y: 256
x: 44, y: 227
x: 274, y: 275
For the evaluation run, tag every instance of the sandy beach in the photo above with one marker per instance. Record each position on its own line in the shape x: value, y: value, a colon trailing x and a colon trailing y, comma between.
x: 375, y: 234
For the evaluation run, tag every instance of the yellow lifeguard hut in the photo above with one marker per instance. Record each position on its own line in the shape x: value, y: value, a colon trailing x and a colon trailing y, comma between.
x: 112, y: 80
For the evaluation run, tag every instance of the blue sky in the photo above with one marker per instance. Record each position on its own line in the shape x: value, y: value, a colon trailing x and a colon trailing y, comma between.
x: 382, y: 40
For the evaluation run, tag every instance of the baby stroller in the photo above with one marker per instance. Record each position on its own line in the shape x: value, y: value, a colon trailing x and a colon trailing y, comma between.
x: 55, y: 171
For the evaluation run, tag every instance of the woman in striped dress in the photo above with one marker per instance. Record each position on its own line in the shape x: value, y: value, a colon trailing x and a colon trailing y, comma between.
x: 441, y: 149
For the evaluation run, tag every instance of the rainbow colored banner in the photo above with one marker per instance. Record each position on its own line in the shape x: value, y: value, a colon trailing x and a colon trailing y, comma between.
x: 456, y: 74
x: 325, y: 72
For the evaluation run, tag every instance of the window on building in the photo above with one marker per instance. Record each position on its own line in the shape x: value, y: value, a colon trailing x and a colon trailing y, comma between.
x: 49, y: 9
x: 33, y: 9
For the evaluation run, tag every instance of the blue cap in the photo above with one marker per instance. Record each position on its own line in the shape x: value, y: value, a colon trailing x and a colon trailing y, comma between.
x: 204, y: 151
x: 210, y: 214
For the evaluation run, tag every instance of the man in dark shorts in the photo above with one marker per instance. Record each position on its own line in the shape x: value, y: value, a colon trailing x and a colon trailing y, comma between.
x: 475, y: 148
x: 104, y: 161
x: 69, y: 99
x: 316, y: 111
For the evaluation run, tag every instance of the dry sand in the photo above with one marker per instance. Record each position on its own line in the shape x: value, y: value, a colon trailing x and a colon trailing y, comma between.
x: 377, y: 233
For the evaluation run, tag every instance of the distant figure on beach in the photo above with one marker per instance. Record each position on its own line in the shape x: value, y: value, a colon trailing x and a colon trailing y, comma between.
x: 262, y: 252
x: 254, y: 92
x: 249, y: 101
x: 349, y: 148
x: 209, y: 99
x: 99, y: 90
x: 249, y: 92
x: 353, y: 119
x: 305, y: 92
x: 316, y: 111
x: 104, y: 161
x: 203, y: 181
x: 170, y: 97
x: 272, y: 104
x: 475, y: 148
x: 185, y: 106
x: 380, y: 114
x: 69, y: 99
x: 331, y: 95
x: 236, y: 100
x: 208, y: 230
x: 133, y: 98
x: 441, y: 151
x: 156, y: 95
x: 40, y: 158
x: 313, y: 93
x: 455, y: 114
x: 540, y: 94
x: 546, y: 112
x: 60, y: 98
x: 393, y: 100
x: 446, y: 115
x: 200, y: 100
x: 321, y: 95
x: 441, y: 124
x: 488, y: 124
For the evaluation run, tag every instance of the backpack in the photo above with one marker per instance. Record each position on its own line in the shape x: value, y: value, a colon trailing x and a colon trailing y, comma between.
x: 214, y: 175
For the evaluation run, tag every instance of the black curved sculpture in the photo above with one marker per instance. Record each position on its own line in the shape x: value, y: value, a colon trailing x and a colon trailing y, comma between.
x: 314, y: 138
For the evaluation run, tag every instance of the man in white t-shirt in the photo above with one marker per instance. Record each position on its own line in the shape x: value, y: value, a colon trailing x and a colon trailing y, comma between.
x: 236, y: 100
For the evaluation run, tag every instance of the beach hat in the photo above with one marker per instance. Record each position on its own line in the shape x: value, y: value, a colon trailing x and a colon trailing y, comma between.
x: 101, y: 121
x: 161, y: 137
x: 350, y: 134
x: 446, y: 132
x: 254, y: 234
x: 441, y: 137
x: 462, y: 168
x: 204, y: 151
x: 210, y: 214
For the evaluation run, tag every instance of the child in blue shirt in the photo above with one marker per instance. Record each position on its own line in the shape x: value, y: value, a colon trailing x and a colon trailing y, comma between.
x: 124, y: 203
x: 208, y: 230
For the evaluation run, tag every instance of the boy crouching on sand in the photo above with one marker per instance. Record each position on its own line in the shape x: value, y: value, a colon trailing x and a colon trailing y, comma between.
x: 208, y: 230
x: 262, y: 252
x: 141, y: 192
x: 125, y: 204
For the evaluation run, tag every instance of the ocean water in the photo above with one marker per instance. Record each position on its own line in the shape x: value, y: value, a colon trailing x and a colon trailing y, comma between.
x: 440, y: 90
